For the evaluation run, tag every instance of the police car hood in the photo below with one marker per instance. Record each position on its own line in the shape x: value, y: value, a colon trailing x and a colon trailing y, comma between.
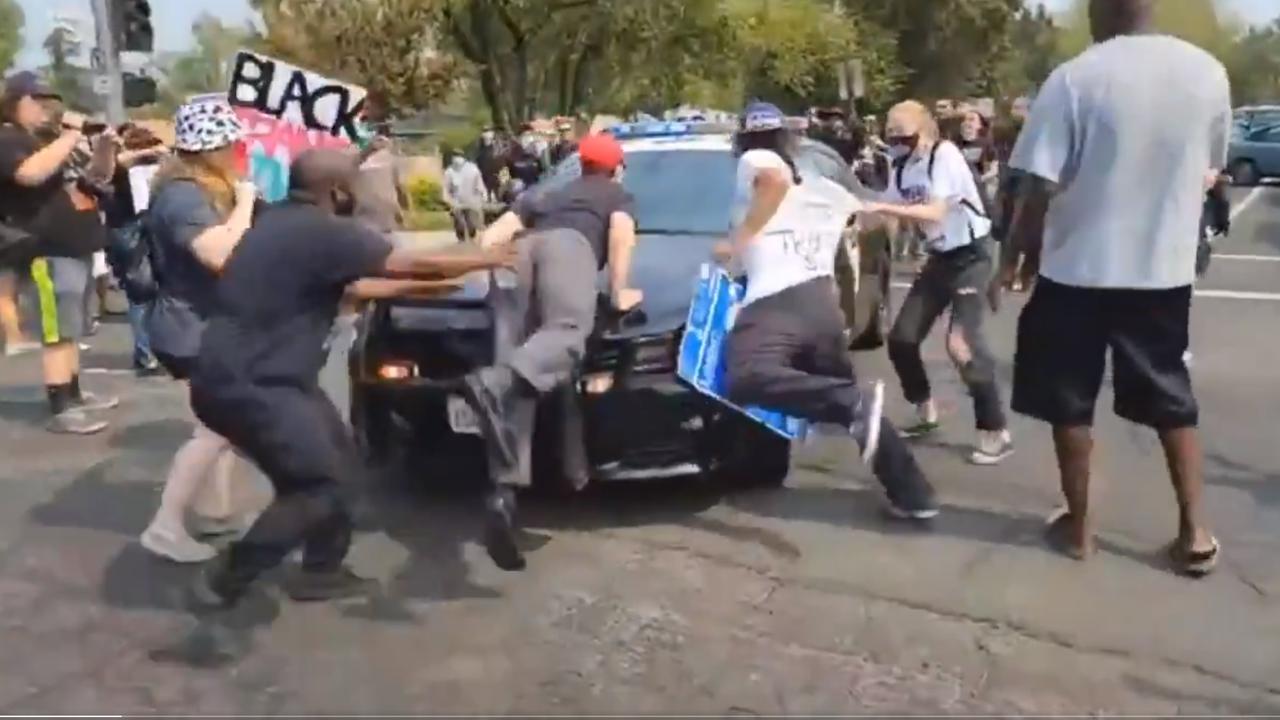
x: 664, y: 266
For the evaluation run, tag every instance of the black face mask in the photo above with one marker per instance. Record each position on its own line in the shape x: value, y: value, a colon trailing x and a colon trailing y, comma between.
x: 902, y: 145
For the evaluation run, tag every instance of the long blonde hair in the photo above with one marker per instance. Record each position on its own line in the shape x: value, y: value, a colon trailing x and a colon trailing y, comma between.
x: 205, y: 170
x: 922, y: 118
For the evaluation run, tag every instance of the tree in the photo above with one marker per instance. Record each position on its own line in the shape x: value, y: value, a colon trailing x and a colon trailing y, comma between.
x: 1254, y: 65
x: 207, y: 67
x: 946, y: 48
x: 389, y: 46
x: 12, y: 20
x: 63, y: 47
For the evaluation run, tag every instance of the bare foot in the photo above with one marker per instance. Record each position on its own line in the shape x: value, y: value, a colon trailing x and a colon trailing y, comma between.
x: 1070, y: 535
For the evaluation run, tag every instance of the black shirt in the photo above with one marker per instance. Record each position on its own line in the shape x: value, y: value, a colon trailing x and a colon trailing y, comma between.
x: 278, y: 297
x: 179, y: 213
x: 45, y: 210
x: 584, y: 204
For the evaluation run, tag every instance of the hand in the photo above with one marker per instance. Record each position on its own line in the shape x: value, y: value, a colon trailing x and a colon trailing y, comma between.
x: 502, y: 256
x: 72, y: 120
x: 995, y: 292
x: 626, y: 299
x: 246, y: 193
x: 109, y: 136
x: 722, y: 252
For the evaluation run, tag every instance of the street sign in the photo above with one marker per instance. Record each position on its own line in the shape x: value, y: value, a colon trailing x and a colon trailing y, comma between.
x: 101, y: 85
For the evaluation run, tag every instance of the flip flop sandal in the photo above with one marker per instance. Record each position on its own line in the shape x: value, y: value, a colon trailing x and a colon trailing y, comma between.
x: 1056, y: 533
x: 1195, y: 563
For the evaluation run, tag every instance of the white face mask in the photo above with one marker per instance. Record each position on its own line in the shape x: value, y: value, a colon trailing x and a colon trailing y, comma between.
x: 458, y: 162
x: 897, y: 152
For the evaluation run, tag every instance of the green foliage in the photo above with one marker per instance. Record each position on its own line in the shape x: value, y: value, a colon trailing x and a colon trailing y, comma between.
x: 388, y: 46
x: 425, y: 194
x: 11, y: 21
x: 427, y: 221
x: 63, y: 74
x: 207, y: 67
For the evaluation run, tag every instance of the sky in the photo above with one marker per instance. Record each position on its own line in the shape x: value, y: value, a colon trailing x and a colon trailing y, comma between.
x: 172, y: 19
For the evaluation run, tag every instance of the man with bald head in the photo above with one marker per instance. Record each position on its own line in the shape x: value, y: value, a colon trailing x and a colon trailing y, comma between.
x: 257, y: 379
x: 1115, y: 155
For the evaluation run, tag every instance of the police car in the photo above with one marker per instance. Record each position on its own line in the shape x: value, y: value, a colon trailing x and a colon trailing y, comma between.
x: 628, y: 417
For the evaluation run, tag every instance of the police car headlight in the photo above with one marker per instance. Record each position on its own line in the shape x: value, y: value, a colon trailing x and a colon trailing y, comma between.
x: 397, y: 370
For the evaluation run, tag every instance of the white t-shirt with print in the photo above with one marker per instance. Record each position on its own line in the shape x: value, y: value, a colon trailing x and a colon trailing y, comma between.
x: 1126, y: 131
x: 799, y: 244
x: 952, y: 181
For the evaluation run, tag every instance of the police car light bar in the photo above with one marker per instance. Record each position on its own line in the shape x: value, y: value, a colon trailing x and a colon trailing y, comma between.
x: 658, y: 129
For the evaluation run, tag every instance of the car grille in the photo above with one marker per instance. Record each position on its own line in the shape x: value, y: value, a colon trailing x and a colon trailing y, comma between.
x: 444, y: 342
x: 660, y: 426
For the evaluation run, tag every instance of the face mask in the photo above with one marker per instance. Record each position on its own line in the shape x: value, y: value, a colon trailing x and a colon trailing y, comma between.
x: 458, y: 162
x: 902, y: 146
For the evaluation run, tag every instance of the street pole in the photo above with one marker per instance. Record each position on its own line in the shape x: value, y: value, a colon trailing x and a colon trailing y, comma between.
x: 108, y: 68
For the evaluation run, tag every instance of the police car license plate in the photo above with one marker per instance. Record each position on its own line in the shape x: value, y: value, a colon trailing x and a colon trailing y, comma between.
x: 462, y: 419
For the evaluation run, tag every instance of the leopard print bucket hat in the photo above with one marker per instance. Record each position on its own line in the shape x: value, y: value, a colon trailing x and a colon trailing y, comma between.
x: 206, y: 125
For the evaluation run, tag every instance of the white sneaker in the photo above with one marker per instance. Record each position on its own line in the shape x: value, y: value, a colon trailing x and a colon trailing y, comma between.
x: 20, y: 348
x: 177, y: 546
x: 235, y: 525
x: 992, y: 447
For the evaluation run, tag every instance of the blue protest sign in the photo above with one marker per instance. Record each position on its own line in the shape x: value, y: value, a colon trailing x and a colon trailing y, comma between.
x: 701, y: 362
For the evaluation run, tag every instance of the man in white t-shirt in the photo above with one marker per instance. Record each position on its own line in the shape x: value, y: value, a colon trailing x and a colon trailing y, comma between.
x: 933, y: 186
x: 787, y: 350
x: 1114, y: 157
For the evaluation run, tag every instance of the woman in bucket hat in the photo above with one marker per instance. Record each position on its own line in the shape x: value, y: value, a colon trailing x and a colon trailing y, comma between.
x: 201, y: 205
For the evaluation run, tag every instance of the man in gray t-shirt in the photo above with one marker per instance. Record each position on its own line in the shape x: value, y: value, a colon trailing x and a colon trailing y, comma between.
x: 1115, y: 155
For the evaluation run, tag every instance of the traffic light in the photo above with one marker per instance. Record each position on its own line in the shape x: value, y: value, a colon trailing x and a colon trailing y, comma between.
x: 133, y: 25
x: 139, y: 90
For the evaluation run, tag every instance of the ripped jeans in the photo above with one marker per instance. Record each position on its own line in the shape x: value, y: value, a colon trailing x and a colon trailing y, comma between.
x: 957, y: 279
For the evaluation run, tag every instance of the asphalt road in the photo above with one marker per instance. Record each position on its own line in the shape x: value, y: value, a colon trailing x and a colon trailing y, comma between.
x: 678, y: 598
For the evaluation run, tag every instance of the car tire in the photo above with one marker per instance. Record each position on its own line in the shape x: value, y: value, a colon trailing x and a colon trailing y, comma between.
x: 754, y: 456
x: 1244, y: 173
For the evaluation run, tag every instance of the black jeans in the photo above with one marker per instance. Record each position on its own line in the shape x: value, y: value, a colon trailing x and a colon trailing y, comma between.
x: 297, y: 439
x: 957, y: 279
x: 787, y: 352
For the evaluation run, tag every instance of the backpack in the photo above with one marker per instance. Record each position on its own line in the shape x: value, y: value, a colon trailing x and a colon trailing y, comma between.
x: 985, y: 211
x: 129, y: 255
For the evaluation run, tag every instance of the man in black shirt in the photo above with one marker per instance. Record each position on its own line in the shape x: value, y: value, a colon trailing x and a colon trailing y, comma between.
x: 36, y: 196
x: 257, y: 380
x: 564, y: 238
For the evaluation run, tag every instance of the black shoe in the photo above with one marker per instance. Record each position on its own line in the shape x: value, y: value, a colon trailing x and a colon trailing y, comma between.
x: 340, y: 584
x: 204, y: 599
x: 500, y: 531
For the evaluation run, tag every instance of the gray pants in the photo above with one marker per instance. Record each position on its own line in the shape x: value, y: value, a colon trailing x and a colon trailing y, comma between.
x: 957, y: 280
x: 543, y: 326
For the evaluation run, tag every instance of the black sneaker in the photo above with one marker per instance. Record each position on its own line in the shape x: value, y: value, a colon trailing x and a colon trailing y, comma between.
x: 500, y: 531
x: 340, y: 584
x: 203, y: 599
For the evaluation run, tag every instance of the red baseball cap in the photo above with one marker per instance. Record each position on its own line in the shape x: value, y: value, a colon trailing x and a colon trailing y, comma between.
x: 600, y: 151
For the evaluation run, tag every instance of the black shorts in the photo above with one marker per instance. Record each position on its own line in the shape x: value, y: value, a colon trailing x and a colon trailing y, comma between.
x: 1063, y: 336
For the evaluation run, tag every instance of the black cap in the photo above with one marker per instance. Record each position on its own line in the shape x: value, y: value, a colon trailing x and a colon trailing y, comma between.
x: 28, y: 84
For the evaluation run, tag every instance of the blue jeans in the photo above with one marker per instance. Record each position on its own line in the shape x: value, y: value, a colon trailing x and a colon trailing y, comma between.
x: 142, y: 356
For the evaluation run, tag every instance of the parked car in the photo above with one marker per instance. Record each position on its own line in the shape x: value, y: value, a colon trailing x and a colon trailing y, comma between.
x: 1254, y: 154
x: 627, y: 417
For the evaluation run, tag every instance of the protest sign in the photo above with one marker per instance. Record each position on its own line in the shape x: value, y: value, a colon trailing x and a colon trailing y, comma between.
x: 701, y: 361
x: 286, y: 110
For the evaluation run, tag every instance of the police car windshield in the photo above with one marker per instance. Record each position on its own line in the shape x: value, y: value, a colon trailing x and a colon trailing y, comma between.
x: 676, y: 190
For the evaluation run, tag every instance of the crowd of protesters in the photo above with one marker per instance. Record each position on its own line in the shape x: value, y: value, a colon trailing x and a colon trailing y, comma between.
x: 242, y: 308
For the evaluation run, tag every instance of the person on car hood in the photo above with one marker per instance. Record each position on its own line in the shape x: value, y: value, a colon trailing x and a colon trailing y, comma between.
x: 563, y: 239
